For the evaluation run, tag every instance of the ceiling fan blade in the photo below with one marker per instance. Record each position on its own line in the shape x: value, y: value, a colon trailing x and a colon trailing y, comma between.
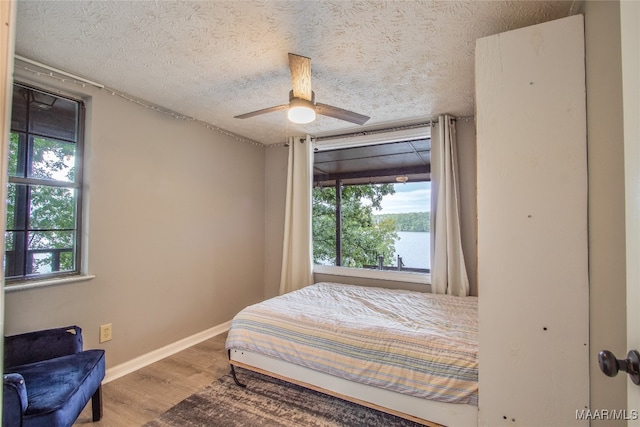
x: 263, y: 111
x: 300, y: 76
x: 339, y: 113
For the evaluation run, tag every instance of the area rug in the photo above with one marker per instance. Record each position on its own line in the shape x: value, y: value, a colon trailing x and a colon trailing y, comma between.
x: 268, y: 401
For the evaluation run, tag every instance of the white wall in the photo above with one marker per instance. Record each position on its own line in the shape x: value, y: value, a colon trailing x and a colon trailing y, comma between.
x: 175, y: 229
x: 605, y: 144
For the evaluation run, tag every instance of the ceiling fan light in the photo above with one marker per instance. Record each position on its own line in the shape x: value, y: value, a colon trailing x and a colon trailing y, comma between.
x: 301, y: 111
x: 301, y: 115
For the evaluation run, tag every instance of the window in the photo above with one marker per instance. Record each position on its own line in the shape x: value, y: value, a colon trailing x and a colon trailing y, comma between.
x: 45, y: 185
x: 371, y: 207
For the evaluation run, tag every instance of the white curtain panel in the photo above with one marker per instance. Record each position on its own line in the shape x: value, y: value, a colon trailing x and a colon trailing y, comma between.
x: 297, y: 267
x: 448, y: 270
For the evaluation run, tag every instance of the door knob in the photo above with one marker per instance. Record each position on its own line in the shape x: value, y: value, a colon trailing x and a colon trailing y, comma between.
x: 610, y: 366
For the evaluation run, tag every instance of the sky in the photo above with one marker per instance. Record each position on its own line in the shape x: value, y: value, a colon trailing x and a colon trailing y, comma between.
x: 409, y: 197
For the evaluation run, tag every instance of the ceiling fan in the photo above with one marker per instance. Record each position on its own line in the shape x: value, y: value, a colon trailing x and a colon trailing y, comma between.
x: 302, y: 105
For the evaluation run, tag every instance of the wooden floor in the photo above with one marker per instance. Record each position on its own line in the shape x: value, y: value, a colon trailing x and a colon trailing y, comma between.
x: 141, y: 396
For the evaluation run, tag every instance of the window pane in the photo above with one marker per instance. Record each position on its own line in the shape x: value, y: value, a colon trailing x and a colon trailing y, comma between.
x: 52, y: 208
x: 408, y: 211
x: 384, y: 226
x: 40, y: 263
x: 67, y: 261
x: 9, y: 241
x: 52, y: 116
x: 53, y: 159
x: 47, y: 249
x: 366, y: 243
x: 47, y: 240
x: 14, y: 254
x: 17, y: 153
x: 43, y: 262
x: 413, y: 249
x: 16, y: 216
x: 19, y: 108
x: 324, y: 225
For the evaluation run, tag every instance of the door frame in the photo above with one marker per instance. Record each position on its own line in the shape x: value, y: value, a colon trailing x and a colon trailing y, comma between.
x: 630, y: 49
x: 7, y: 46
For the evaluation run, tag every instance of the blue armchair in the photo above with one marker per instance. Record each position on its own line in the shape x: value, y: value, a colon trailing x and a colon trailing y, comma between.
x: 48, y: 379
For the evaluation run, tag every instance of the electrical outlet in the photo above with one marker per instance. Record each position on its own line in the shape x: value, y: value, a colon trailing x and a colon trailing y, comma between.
x: 106, y: 333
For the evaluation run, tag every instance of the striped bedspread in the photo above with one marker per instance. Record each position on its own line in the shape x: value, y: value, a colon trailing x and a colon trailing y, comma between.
x: 414, y: 343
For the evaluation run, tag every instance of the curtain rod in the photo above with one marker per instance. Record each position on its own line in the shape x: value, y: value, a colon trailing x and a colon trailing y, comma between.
x: 373, y: 132
x: 376, y: 131
x: 58, y: 71
x: 386, y: 130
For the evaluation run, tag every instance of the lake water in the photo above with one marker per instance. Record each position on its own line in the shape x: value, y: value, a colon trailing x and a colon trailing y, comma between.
x: 414, y: 248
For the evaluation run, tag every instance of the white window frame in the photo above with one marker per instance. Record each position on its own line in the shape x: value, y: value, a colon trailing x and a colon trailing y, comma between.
x: 367, y: 138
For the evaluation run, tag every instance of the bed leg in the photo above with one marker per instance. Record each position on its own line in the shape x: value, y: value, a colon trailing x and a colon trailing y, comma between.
x: 235, y: 379
x: 233, y: 372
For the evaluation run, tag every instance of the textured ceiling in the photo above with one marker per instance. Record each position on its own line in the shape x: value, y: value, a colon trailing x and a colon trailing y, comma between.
x: 395, y: 61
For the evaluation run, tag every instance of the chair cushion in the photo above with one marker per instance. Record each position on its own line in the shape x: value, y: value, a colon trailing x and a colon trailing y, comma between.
x: 59, y: 388
x: 32, y: 347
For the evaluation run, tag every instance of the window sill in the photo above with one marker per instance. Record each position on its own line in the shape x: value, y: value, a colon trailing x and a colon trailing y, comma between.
x: 33, y: 284
x: 396, y: 276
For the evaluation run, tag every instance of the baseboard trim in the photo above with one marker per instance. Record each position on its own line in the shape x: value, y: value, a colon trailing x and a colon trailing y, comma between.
x: 166, y: 351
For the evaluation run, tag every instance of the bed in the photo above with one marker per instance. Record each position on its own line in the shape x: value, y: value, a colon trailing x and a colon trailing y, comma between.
x: 408, y: 353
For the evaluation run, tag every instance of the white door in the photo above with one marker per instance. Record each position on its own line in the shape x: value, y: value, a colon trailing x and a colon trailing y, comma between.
x: 532, y: 189
x: 629, y: 22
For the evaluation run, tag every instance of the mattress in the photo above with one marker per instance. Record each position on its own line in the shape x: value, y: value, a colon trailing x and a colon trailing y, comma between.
x: 414, y: 343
